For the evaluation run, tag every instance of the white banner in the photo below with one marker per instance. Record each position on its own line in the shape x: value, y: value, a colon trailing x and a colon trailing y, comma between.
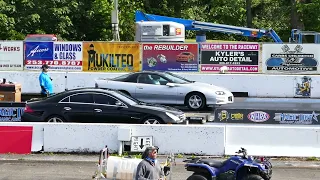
x: 11, y: 55
x: 290, y: 58
x: 68, y: 54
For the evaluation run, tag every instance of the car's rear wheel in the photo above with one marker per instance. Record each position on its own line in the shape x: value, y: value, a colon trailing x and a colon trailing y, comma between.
x: 55, y: 119
x: 152, y: 120
x: 195, y: 101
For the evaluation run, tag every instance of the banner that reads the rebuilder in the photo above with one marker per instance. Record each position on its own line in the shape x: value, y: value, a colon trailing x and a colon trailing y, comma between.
x: 170, y: 57
x: 240, y: 58
x: 111, y: 57
x: 64, y: 56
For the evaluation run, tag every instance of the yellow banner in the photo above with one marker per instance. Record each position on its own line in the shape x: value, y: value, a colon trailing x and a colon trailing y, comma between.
x: 111, y: 57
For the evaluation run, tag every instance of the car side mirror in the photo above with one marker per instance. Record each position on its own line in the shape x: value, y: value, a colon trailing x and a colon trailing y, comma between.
x: 118, y: 103
x: 170, y: 84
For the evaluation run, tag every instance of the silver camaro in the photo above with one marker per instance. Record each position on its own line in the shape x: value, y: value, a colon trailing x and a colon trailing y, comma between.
x: 168, y: 89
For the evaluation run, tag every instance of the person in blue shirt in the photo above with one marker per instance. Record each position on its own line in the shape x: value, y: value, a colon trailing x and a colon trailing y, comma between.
x: 45, y: 82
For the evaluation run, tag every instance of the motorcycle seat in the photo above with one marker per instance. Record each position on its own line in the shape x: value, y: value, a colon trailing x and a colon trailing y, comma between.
x: 212, y: 163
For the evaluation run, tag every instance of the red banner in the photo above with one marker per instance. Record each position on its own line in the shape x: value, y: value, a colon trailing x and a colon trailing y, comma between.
x: 15, y: 139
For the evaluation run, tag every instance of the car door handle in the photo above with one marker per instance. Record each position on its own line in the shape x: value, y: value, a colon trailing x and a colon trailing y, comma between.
x: 98, y: 110
x: 139, y: 87
x: 67, y: 108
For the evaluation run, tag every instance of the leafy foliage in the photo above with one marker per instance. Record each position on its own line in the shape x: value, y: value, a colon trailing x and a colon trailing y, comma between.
x: 90, y: 20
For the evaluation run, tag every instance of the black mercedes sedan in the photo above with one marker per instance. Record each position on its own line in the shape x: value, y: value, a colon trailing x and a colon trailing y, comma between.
x: 94, y: 105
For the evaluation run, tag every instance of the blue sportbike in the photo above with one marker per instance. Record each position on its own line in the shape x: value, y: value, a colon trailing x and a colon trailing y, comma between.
x: 237, y: 167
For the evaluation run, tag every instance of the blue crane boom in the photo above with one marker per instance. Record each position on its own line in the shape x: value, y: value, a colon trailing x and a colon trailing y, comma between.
x: 204, y: 26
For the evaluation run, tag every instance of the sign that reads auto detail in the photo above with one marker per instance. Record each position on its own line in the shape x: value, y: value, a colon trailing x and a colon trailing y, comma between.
x: 111, y: 57
x: 290, y: 58
x: 11, y: 55
x: 238, y: 58
x: 170, y: 57
x: 64, y: 56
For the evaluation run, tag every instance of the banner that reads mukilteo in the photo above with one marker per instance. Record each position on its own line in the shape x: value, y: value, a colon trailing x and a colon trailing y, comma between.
x: 111, y: 57
x: 170, y: 57
x: 252, y: 116
x: 236, y: 57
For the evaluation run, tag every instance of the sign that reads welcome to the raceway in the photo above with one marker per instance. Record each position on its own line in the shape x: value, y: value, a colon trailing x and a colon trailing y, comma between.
x: 65, y: 56
x: 170, y: 57
x: 11, y: 55
x: 290, y: 58
x: 237, y: 57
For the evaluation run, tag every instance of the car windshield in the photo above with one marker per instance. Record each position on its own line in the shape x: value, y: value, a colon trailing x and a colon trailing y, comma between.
x: 122, y: 77
x: 39, y: 38
x: 176, y: 78
x: 128, y: 98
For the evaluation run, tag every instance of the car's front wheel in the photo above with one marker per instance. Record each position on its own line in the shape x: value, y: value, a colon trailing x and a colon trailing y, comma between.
x: 152, y: 120
x: 195, y: 101
x: 55, y: 119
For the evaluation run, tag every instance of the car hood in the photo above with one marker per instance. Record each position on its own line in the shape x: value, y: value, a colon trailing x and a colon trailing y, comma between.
x: 158, y: 107
x: 210, y: 86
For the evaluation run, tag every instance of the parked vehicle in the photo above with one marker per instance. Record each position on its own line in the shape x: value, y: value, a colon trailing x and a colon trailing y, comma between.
x: 169, y: 89
x: 125, y: 168
x: 92, y: 105
x: 235, y: 168
x: 41, y: 37
x: 185, y: 57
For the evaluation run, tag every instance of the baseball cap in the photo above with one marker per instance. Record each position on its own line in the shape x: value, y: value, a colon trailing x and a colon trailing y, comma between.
x: 46, y: 66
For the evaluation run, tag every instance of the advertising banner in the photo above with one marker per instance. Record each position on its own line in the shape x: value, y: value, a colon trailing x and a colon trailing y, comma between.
x: 111, y: 57
x: 303, y: 86
x: 170, y: 57
x: 11, y: 55
x: 238, y: 58
x: 11, y: 112
x: 252, y: 116
x: 290, y: 58
x: 64, y: 56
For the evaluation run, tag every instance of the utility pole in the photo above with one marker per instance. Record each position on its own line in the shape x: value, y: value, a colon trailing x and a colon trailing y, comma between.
x: 115, y: 22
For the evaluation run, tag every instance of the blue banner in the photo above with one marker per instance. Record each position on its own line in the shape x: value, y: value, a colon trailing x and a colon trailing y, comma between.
x: 42, y: 51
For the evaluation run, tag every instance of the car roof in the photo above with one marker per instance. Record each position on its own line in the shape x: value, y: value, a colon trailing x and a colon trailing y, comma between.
x: 91, y: 89
x: 150, y: 72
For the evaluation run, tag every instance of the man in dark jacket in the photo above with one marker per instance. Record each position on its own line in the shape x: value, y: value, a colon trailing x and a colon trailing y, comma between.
x: 149, y: 168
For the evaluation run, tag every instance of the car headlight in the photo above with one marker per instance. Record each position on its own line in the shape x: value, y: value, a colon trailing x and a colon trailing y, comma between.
x: 172, y: 116
x: 220, y: 93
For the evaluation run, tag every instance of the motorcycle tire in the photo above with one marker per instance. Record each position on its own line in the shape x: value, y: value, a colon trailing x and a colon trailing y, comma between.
x: 197, y: 177
x: 252, y: 177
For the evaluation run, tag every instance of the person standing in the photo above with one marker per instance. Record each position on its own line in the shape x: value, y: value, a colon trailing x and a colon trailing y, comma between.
x: 149, y: 168
x: 45, y: 82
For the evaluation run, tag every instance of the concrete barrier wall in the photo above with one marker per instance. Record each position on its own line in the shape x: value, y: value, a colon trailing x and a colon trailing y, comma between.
x: 37, y: 133
x: 256, y: 85
x: 170, y: 138
x: 265, y: 140
x: 274, y: 140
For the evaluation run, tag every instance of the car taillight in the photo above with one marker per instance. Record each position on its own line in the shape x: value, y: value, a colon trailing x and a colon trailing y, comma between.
x: 27, y: 109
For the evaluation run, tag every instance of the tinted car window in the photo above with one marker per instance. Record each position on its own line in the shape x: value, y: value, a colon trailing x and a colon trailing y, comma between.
x: 152, y: 79
x: 65, y: 99
x: 82, y: 98
x: 103, y: 99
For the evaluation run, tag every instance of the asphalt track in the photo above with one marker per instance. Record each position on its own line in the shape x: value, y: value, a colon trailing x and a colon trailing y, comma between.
x: 289, y: 104
x: 50, y: 170
x: 295, y: 104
